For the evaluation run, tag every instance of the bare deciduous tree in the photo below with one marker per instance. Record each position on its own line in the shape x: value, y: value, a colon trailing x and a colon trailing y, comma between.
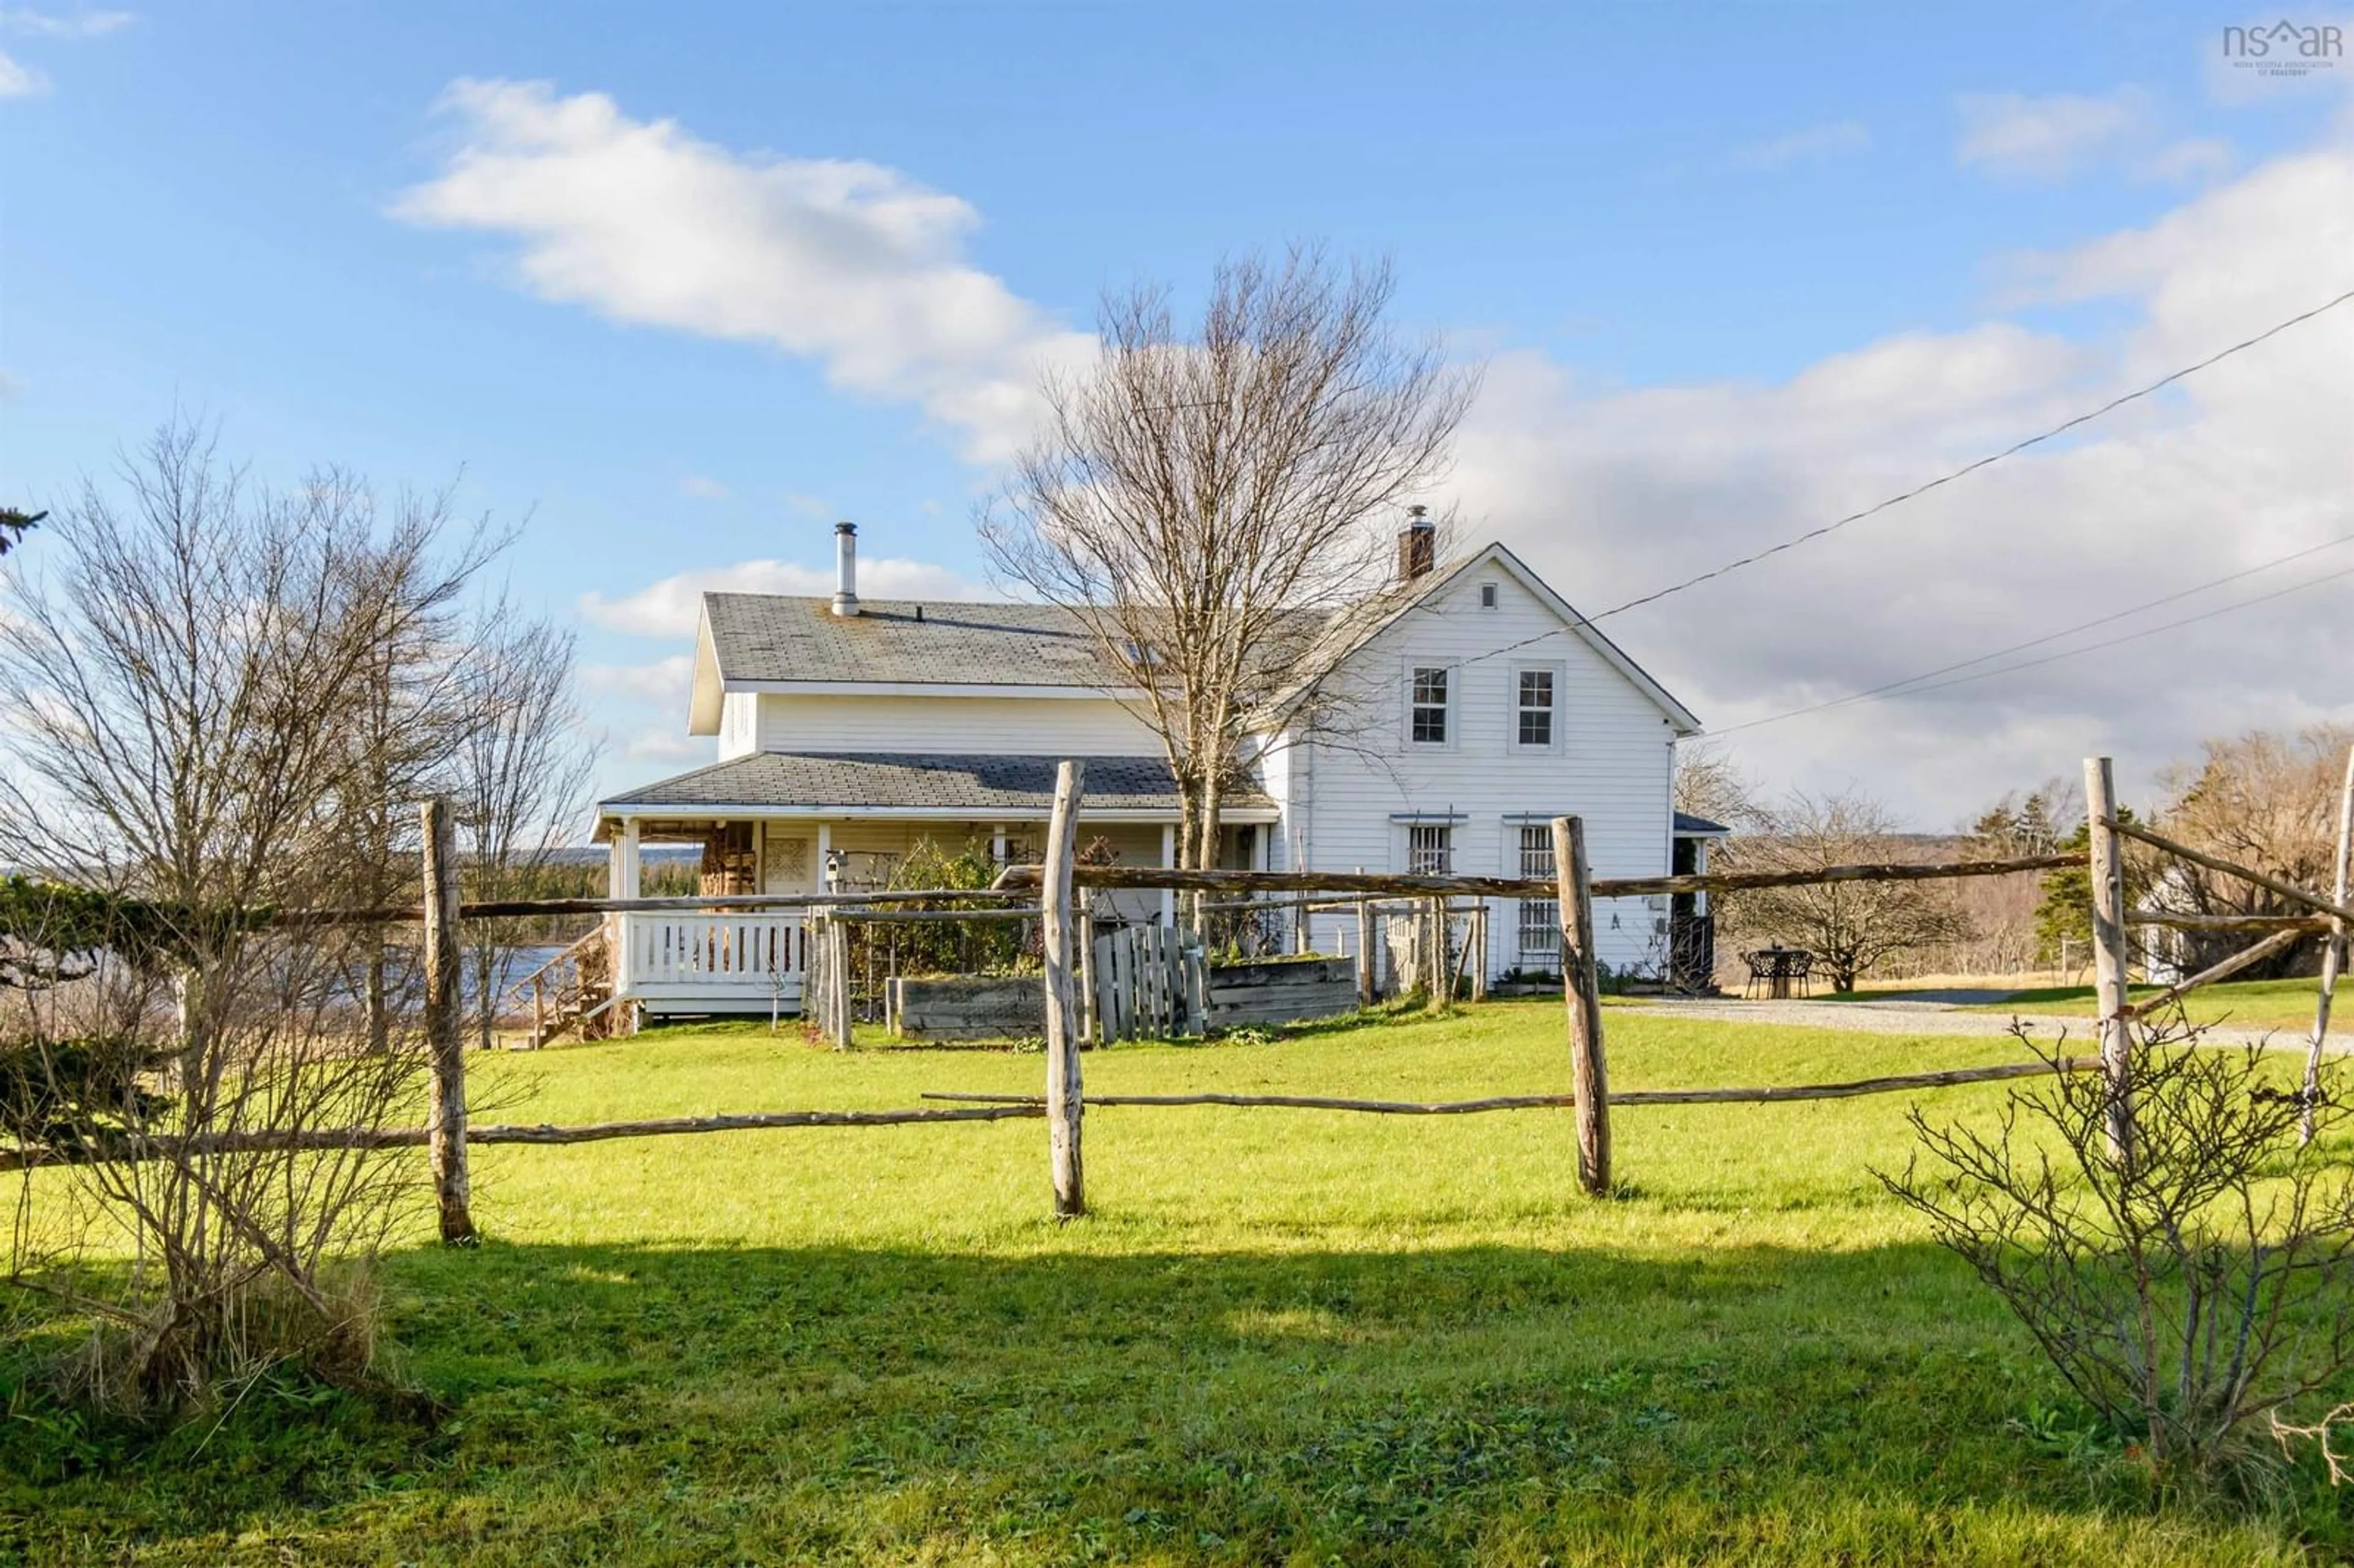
x: 1709, y: 783
x: 2267, y: 799
x: 187, y: 681
x: 1202, y: 500
x: 522, y: 760
x: 1849, y: 925
x: 410, y: 714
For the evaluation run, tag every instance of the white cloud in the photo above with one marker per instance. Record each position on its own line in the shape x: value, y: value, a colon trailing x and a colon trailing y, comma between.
x: 2053, y: 139
x: 18, y: 80
x: 668, y: 607
x: 703, y: 489
x: 853, y: 265
x: 809, y: 505
x: 1611, y: 494
x: 2195, y: 158
x: 669, y: 744
x: 72, y: 25
x: 1836, y: 139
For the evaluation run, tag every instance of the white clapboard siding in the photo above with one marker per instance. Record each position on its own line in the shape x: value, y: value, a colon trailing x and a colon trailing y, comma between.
x: 1613, y: 762
x: 1017, y: 727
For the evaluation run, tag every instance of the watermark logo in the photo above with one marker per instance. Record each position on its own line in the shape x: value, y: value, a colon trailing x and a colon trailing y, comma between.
x: 2286, y: 48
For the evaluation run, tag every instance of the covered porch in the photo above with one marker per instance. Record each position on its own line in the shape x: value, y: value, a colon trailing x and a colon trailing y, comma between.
x: 806, y: 825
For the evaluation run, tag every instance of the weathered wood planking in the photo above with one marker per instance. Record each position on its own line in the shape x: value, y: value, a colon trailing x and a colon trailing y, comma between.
x: 971, y: 1007
x: 1282, y: 992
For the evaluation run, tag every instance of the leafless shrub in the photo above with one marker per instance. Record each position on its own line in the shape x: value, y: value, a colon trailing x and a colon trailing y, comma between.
x: 2191, y: 1295
x: 193, y: 674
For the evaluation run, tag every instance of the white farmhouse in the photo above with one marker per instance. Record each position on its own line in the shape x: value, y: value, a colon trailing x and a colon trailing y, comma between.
x: 1437, y: 727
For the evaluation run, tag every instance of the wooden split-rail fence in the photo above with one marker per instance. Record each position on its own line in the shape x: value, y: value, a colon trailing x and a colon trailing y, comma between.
x: 1073, y: 963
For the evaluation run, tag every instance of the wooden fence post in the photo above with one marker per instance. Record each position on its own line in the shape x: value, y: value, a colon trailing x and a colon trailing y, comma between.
x: 1478, y: 943
x: 1087, y: 971
x: 2333, y: 955
x: 445, y: 1039
x: 2110, y: 954
x: 1581, y: 990
x: 1435, y: 973
x: 1365, y: 976
x: 1064, y: 1103
x: 842, y: 1016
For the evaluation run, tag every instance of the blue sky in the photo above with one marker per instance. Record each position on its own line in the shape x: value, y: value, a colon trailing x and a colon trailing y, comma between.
x: 1660, y: 221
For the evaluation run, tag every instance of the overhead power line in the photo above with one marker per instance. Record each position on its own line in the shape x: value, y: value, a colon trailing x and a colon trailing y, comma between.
x: 2011, y: 451
x: 1911, y: 684
x: 1990, y: 459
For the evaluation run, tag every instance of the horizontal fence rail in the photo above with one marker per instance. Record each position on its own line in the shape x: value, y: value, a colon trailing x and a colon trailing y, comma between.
x: 980, y: 1107
x: 388, y: 1138
x: 1148, y: 878
x: 519, y: 908
x: 1765, y: 1095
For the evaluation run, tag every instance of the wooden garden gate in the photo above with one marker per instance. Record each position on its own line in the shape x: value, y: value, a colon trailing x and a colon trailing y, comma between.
x: 1149, y: 985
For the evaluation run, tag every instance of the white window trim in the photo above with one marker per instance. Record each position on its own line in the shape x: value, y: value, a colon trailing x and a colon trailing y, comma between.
x: 1449, y: 824
x: 1453, y: 703
x: 1515, y: 864
x: 1560, y: 673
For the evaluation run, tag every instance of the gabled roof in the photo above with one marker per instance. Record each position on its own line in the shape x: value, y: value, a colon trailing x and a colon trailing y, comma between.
x: 1376, y: 614
x: 764, y: 641
x: 770, y: 641
x: 934, y: 784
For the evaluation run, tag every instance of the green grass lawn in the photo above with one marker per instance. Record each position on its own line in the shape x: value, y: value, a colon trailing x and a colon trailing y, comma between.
x: 2282, y: 1005
x: 1282, y: 1337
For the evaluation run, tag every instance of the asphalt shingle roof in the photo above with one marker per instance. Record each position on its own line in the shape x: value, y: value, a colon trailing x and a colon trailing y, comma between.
x: 788, y: 781
x: 787, y: 637
x: 784, y: 637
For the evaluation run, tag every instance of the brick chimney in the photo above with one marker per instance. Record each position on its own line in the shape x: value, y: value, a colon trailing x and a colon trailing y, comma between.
x: 1417, y: 544
x: 846, y: 568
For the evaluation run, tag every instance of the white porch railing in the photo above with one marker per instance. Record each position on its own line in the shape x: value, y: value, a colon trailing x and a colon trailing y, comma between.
x: 744, y: 959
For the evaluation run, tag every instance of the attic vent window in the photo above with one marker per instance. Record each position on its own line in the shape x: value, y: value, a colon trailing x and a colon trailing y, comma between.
x: 1141, y: 655
x: 1487, y: 596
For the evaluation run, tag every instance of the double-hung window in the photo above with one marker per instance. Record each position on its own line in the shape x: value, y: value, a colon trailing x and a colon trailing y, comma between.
x: 1533, y: 696
x: 1540, y: 918
x: 1427, y: 705
x: 1430, y: 849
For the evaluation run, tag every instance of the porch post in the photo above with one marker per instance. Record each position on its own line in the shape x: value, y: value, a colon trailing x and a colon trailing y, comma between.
x: 627, y: 860
x: 824, y: 851
x: 1169, y: 862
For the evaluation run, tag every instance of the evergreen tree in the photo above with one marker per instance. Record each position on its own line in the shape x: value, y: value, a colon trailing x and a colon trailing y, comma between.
x: 13, y: 524
x: 2067, y: 907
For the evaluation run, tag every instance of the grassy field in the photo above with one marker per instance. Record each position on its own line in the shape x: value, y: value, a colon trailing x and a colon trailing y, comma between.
x: 1282, y: 1338
x: 2283, y: 1004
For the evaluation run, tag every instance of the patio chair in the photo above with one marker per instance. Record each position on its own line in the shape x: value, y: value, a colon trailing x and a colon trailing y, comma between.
x: 1761, y: 973
x: 1802, y: 973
